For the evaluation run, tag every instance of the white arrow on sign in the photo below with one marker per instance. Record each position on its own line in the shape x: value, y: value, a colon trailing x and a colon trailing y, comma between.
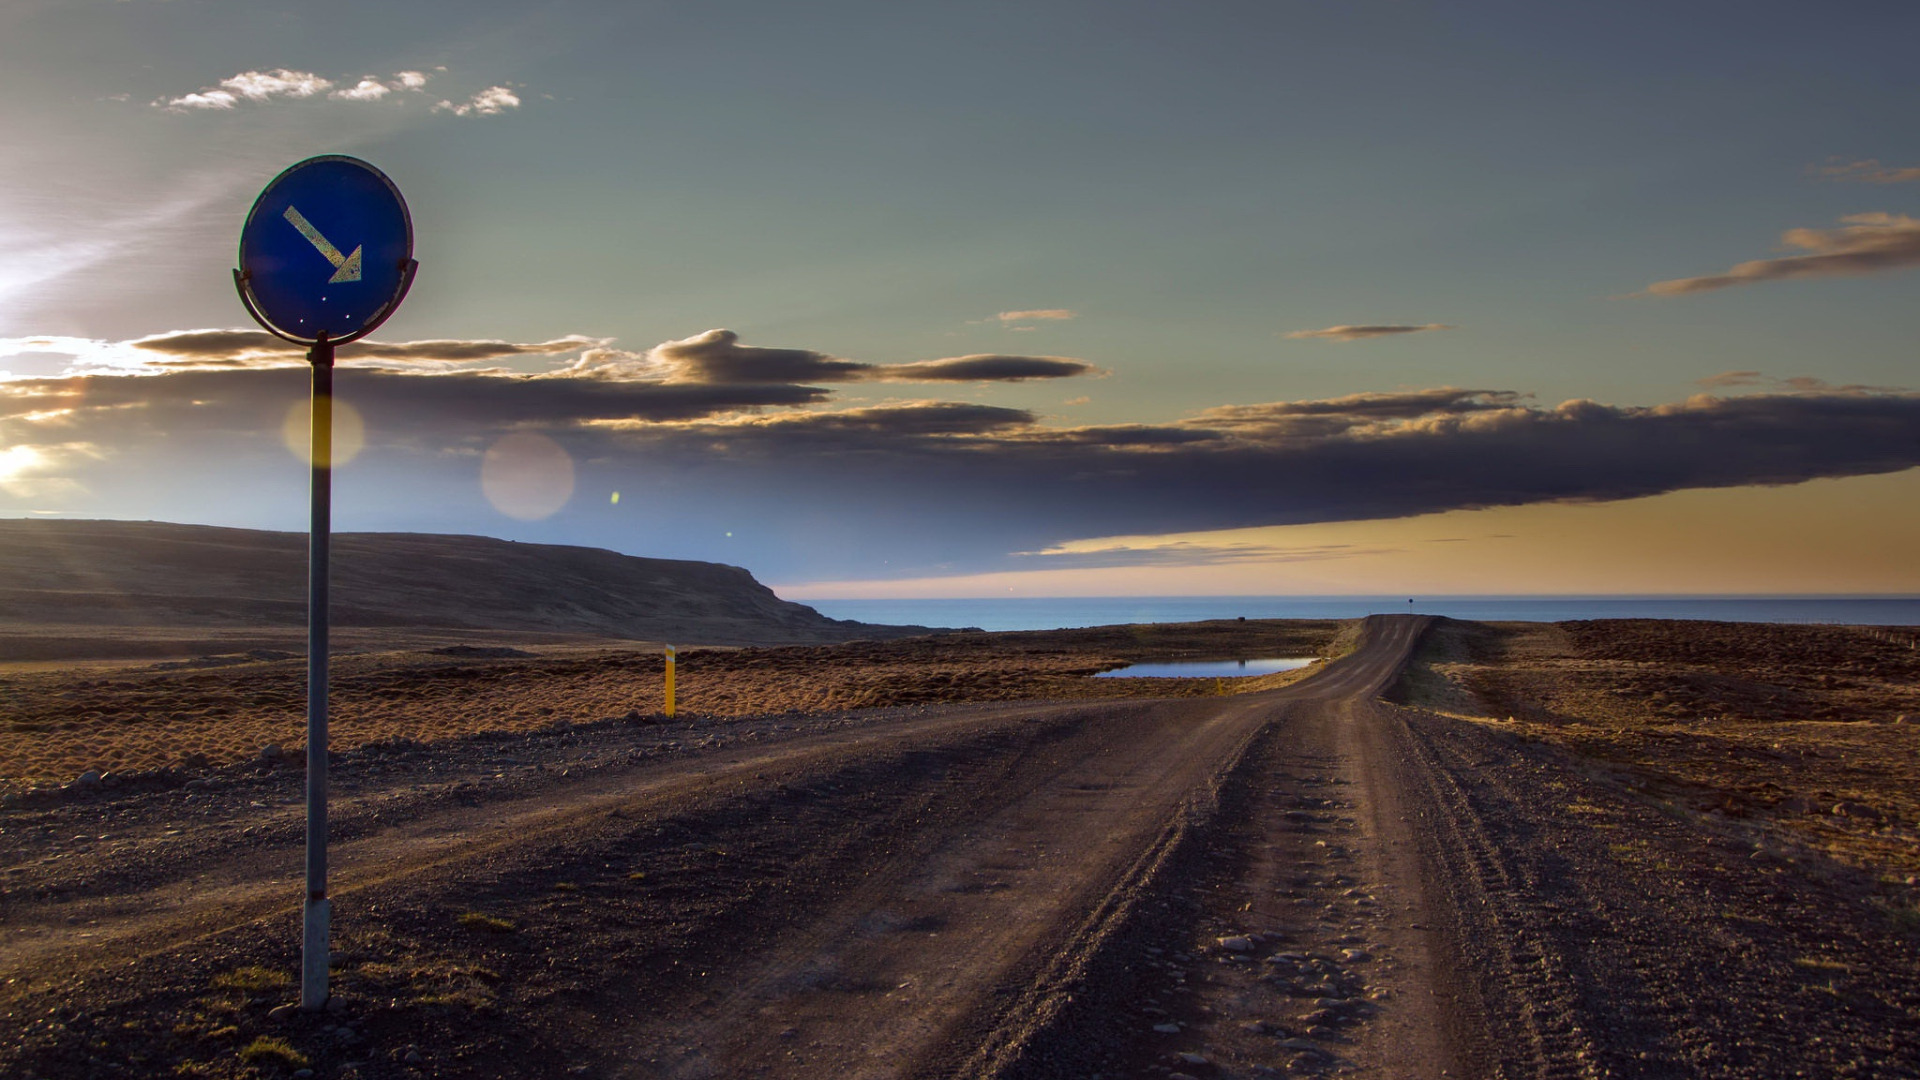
x: 345, y: 267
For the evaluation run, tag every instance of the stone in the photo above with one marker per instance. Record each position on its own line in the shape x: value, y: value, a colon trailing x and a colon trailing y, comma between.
x: 1167, y: 1029
x: 87, y: 781
x: 1235, y: 943
x: 271, y: 752
x: 1355, y: 956
x: 1188, y: 1057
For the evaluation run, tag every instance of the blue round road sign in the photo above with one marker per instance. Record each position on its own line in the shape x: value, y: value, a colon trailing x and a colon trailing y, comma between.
x: 327, y: 247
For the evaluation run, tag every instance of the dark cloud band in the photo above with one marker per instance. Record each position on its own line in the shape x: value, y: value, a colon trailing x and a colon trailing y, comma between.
x: 718, y: 357
x: 938, y: 485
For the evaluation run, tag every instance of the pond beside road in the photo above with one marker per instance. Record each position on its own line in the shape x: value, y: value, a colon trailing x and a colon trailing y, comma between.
x: 1208, y: 669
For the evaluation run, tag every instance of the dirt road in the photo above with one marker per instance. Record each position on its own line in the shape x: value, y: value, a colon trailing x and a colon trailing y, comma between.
x: 1304, y: 881
x: 911, y: 895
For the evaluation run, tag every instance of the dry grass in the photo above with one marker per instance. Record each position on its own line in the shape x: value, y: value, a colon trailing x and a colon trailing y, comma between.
x: 61, y: 721
x: 268, y: 1048
x: 492, y: 924
x: 1807, y: 734
x: 253, y: 980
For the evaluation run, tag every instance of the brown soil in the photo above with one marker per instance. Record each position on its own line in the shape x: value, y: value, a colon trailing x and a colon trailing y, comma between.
x: 1804, y: 740
x: 1300, y: 879
x: 131, y: 719
x: 1676, y: 849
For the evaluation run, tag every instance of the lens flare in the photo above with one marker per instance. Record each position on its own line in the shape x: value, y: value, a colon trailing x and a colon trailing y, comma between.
x: 349, y: 433
x: 527, y: 476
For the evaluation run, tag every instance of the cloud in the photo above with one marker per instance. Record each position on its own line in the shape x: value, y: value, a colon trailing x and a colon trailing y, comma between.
x: 715, y: 357
x: 1357, y: 413
x: 367, y: 89
x: 706, y: 434
x: 1869, y: 171
x: 205, y: 99
x: 1037, y: 314
x: 260, y: 87
x: 967, y: 497
x: 850, y: 428
x: 465, y: 350
x: 1112, y: 554
x: 984, y: 367
x: 252, y: 86
x: 228, y: 348
x: 436, y: 407
x: 718, y: 357
x: 180, y: 350
x: 492, y: 101
x: 1361, y: 333
x: 1798, y: 384
x: 1864, y: 244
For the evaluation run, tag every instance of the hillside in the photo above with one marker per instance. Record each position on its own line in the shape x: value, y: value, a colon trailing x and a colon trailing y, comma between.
x: 154, y: 582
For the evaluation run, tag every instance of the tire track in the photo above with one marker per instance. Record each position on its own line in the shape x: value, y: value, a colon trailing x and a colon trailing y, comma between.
x: 1527, y: 985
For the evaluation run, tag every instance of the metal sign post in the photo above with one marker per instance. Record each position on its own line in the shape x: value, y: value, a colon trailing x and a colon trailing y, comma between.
x: 317, y: 913
x: 297, y: 284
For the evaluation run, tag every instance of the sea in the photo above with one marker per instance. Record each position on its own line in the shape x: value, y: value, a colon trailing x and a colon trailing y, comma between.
x: 1055, y: 613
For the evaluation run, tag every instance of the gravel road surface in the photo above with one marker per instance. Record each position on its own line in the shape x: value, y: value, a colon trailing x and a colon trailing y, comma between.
x: 1303, y: 881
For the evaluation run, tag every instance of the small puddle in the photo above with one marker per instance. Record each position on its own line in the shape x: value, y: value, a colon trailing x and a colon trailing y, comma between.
x: 1208, y: 669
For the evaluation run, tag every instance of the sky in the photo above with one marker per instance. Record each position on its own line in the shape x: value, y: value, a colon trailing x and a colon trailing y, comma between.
x: 1055, y: 298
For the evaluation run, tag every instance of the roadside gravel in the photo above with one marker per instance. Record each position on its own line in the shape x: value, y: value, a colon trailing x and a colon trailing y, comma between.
x: 1304, y: 881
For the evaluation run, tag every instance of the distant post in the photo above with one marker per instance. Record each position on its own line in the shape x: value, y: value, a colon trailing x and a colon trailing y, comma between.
x: 297, y: 283
x: 670, y: 665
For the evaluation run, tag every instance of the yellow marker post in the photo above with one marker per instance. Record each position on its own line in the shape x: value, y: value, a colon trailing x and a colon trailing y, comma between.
x: 669, y: 681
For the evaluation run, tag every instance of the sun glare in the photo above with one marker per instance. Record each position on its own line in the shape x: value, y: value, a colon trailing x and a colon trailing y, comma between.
x: 17, y: 461
x: 349, y: 432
